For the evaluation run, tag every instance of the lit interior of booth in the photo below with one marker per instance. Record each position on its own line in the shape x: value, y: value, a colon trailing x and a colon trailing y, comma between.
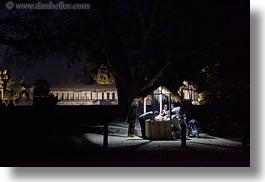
x: 159, y: 127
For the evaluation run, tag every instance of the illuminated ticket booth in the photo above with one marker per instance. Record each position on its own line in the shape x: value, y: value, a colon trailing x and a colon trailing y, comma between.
x: 159, y: 127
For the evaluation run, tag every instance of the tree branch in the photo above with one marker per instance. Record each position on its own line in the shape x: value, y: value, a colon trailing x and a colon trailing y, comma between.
x: 158, y: 75
x: 145, y: 36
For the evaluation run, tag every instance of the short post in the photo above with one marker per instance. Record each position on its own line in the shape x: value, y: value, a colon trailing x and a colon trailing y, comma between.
x: 183, y: 135
x: 106, y: 133
x: 132, y: 118
x: 186, y: 107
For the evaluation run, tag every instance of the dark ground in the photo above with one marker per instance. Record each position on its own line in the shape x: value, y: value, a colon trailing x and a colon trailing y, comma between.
x: 48, y: 138
x: 87, y: 150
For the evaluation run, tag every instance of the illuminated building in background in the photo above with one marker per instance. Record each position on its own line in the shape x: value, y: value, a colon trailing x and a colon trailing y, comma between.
x: 104, y: 76
x: 3, y: 79
x: 102, y: 93
x: 78, y: 95
x: 189, y: 92
x: 85, y: 94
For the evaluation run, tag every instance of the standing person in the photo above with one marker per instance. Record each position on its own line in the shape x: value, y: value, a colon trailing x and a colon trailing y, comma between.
x: 177, y: 119
x: 143, y: 117
x: 176, y: 109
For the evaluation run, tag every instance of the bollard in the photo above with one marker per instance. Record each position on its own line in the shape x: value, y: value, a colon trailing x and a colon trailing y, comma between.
x: 105, y: 139
x: 183, y: 135
x: 132, y: 119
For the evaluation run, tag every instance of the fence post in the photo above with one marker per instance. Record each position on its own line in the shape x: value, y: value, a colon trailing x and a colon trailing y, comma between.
x: 183, y: 135
x: 106, y: 133
x: 132, y: 119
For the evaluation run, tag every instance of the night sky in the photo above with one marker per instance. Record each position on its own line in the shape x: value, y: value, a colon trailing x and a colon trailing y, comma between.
x: 224, y: 21
x: 54, y: 69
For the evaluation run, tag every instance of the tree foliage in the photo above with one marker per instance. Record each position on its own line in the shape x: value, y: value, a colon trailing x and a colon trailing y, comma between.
x: 14, y: 86
x: 41, y: 88
x: 145, y: 43
x: 221, y: 85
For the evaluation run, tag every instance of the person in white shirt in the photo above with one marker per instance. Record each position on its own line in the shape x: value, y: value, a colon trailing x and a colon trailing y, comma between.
x: 177, y: 119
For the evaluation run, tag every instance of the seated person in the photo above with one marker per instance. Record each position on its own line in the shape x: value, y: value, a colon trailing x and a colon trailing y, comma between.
x: 159, y: 117
x: 162, y: 114
x: 166, y: 117
x: 193, y: 129
x: 164, y: 110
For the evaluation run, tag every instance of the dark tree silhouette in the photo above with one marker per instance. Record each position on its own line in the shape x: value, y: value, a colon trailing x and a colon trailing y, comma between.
x: 145, y: 43
x: 41, y: 88
x: 42, y: 96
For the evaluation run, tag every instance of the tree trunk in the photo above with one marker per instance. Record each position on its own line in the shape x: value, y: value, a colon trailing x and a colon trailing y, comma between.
x: 124, y: 100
